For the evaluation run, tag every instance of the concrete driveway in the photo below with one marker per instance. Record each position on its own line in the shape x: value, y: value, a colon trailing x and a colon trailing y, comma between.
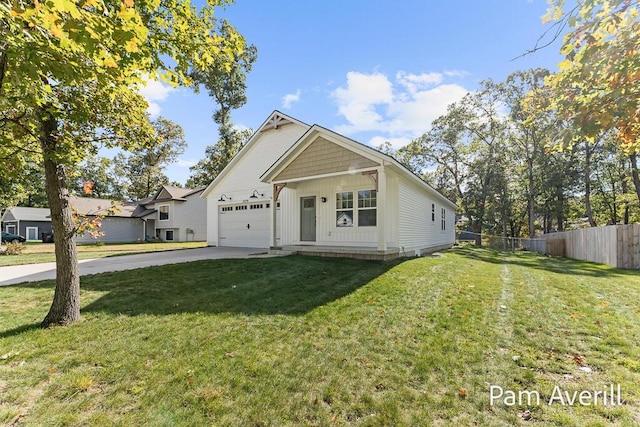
x: 46, y: 271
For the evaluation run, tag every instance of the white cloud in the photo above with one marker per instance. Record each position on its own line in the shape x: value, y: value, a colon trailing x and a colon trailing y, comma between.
x: 290, y: 98
x: 358, y: 101
x: 183, y: 163
x: 154, y: 92
x: 399, y: 110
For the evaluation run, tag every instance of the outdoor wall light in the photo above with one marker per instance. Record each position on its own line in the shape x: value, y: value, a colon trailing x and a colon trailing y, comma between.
x: 323, y: 199
x: 256, y: 194
x: 224, y: 198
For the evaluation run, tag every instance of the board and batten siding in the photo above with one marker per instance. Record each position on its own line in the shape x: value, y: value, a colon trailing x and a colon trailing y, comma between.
x: 244, y: 177
x: 327, y: 233
x: 417, y: 231
x: 117, y: 230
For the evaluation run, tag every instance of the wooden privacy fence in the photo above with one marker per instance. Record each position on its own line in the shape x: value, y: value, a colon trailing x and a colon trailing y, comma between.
x: 614, y: 245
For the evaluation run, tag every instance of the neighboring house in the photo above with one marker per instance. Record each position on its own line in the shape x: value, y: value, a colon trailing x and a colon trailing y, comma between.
x: 180, y: 214
x: 28, y: 222
x: 125, y: 223
x: 333, y: 196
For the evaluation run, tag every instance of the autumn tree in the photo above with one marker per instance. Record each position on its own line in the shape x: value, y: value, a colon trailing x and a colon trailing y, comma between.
x: 68, y: 73
x: 598, y: 86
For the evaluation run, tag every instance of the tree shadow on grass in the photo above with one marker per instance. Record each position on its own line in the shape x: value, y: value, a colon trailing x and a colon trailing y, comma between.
x: 292, y: 285
x: 554, y: 264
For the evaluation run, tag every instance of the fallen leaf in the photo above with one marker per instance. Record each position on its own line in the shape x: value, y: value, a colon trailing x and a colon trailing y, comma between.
x: 575, y: 315
x: 578, y: 359
x: 462, y: 393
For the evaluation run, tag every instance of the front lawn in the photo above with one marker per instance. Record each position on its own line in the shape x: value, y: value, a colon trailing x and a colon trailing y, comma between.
x: 35, y: 253
x: 311, y: 341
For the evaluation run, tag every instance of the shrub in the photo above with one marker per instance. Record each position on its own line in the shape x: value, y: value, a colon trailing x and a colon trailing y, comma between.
x: 99, y: 243
x: 14, y: 249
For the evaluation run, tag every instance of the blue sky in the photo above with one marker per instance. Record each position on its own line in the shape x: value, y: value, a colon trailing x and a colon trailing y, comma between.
x: 372, y: 70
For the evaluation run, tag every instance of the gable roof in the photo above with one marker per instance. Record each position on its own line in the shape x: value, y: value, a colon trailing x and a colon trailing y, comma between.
x: 26, y: 214
x: 169, y: 192
x: 315, y: 132
x: 275, y: 120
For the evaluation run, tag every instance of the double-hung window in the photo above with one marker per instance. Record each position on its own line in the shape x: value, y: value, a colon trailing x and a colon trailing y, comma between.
x: 367, y: 203
x: 344, y: 209
x: 443, y: 221
x: 164, y: 212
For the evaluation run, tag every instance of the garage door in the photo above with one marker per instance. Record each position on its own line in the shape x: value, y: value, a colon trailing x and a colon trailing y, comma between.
x: 244, y: 225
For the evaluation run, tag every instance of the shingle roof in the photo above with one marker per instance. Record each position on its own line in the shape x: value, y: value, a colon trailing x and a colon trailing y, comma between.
x: 90, y: 206
x: 29, y: 214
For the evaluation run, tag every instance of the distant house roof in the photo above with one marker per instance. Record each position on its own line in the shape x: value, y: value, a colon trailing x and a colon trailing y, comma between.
x: 91, y: 206
x: 26, y: 214
x: 168, y: 192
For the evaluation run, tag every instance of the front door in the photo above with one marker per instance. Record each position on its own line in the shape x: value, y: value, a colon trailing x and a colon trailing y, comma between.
x: 308, y: 219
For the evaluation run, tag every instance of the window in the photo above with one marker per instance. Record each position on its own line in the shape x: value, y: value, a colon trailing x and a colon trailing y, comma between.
x: 433, y: 212
x: 227, y: 208
x: 367, y: 203
x: 344, y: 209
x: 241, y: 208
x: 443, y: 220
x: 256, y: 206
x: 169, y: 235
x: 164, y: 212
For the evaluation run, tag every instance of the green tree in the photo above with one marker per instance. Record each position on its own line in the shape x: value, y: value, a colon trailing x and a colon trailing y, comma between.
x: 144, y: 167
x: 68, y: 71
x: 227, y: 87
x: 218, y: 156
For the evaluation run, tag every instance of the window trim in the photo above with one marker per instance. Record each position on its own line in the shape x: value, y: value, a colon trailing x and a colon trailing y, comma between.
x: 433, y: 212
x: 166, y: 235
x: 443, y: 219
x: 342, y: 208
x: 373, y: 200
x: 168, y: 218
x: 355, y: 207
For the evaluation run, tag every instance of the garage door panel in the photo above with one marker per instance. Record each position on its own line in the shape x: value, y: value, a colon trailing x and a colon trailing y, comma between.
x: 244, y: 225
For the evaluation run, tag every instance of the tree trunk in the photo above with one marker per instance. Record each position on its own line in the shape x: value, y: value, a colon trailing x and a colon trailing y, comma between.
x: 531, y: 198
x: 634, y: 174
x: 65, y: 308
x: 587, y: 185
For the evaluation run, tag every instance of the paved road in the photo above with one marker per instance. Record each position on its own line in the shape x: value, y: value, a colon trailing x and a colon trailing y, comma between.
x: 36, y: 272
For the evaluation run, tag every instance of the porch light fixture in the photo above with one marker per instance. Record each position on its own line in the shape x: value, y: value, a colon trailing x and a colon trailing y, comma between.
x: 224, y: 198
x: 256, y: 194
x: 323, y: 199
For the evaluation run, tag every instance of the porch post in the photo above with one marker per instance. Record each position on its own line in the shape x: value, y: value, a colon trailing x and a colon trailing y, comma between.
x: 272, y: 214
x: 382, y: 209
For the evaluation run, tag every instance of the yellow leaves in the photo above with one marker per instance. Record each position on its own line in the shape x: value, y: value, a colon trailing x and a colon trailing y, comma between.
x: 565, y: 65
x: 132, y: 45
x: 110, y: 63
x: 128, y: 3
x: 575, y: 315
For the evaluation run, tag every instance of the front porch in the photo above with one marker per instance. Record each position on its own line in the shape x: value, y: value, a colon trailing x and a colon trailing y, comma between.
x: 339, y: 252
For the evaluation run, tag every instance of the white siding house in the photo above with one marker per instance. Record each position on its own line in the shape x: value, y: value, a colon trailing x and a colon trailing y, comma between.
x: 179, y: 215
x: 332, y: 195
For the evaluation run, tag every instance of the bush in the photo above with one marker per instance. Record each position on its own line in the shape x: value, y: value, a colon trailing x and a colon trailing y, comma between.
x: 14, y: 249
x: 99, y: 243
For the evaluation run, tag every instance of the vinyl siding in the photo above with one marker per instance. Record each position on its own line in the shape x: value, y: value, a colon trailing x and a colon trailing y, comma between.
x: 327, y: 233
x: 324, y: 157
x: 244, y: 178
x: 416, y: 229
x: 117, y: 230
x: 190, y: 214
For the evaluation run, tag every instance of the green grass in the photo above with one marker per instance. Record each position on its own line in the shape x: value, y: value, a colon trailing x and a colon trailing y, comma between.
x: 311, y: 341
x: 44, y: 252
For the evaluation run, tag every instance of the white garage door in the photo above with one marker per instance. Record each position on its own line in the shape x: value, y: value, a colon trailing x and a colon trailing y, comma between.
x: 245, y: 225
